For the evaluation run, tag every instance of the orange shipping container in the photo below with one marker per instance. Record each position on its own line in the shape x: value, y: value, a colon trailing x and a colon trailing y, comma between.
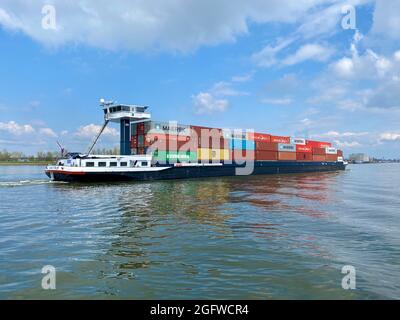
x: 304, y: 156
x: 242, y: 155
x: 319, y: 158
x: 280, y: 139
x: 259, y: 137
x: 287, y: 156
x: 266, y: 146
x: 266, y: 155
x: 318, y: 144
x: 303, y: 149
x: 319, y: 151
x: 331, y: 157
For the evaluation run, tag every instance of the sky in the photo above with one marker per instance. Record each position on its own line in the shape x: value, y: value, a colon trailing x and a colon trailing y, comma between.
x: 326, y: 70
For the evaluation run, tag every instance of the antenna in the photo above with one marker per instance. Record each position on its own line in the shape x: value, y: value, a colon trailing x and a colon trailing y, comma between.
x: 61, y: 148
x: 105, y: 103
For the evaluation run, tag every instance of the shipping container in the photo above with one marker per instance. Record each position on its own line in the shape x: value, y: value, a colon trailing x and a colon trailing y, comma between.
x: 331, y: 157
x: 151, y: 137
x: 279, y: 139
x: 286, y: 147
x: 319, y: 151
x: 318, y: 144
x: 213, y: 142
x: 166, y: 128
x: 242, y: 155
x: 259, y: 137
x: 303, y: 149
x: 266, y: 146
x: 340, y: 153
x: 266, y: 155
x: 304, y: 156
x: 331, y: 150
x: 287, y: 156
x: 174, y: 156
x: 298, y: 141
x: 213, y: 154
x: 242, y: 144
x: 319, y: 158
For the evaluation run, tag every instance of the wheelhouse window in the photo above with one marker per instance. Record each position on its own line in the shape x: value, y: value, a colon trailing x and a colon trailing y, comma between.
x: 102, y: 164
x: 89, y: 164
x: 124, y: 164
x: 144, y: 164
x: 113, y: 164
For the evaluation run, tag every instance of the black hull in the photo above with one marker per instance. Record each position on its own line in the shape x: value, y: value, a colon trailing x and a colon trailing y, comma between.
x: 261, y: 167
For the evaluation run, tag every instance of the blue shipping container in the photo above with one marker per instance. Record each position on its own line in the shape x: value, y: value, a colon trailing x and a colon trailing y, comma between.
x: 238, y: 144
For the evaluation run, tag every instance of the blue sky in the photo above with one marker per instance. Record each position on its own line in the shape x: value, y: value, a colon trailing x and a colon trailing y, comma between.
x: 282, y: 67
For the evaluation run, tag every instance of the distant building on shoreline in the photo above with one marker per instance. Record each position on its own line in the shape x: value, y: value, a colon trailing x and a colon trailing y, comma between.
x: 359, y: 158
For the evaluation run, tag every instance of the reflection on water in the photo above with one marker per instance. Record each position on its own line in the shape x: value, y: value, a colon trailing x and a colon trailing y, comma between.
x: 281, y: 236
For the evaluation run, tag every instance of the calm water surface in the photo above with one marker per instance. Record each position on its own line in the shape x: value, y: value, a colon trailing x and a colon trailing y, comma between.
x: 265, y: 237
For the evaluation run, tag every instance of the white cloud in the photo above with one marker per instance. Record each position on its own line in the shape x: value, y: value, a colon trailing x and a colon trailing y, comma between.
x: 248, y: 77
x: 206, y: 103
x: 344, y: 67
x: 47, y: 132
x: 91, y: 130
x: 224, y: 89
x: 16, y: 129
x: 267, y: 56
x: 386, y: 19
x: 390, y: 136
x: 314, y: 52
x: 347, y: 144
x: 180, y: 25
x: 282, y: 101
x: 397, y: 55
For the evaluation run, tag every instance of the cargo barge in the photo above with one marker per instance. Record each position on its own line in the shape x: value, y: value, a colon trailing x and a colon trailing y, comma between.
x: 152, y: 150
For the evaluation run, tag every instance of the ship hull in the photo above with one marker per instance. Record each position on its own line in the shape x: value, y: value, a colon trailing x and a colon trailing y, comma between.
x: 190, y: 172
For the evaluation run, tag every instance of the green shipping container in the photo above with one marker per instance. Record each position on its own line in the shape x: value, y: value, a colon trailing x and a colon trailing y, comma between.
x: 174, y: 156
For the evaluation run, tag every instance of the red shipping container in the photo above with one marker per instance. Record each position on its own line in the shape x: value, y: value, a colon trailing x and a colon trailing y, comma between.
x: 243, y: 155
x: 303, y: 149
x: 259, y: 137
x: 266, y: 146
x: 319, y: 158
x: 340, y: 153
x: 319, y: 151
x: 155, y: 136
x: 266, y: 155
x: 304, y: 156
x: 319, y: 144
x: 287, y: 156
x: 280, y: 139
x: 331, y: 157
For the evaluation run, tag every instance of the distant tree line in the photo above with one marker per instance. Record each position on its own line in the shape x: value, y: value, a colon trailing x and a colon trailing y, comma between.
x: 111, y: 152
x: 47, y: 156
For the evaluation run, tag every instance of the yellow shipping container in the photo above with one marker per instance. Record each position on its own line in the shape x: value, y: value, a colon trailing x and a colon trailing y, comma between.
x: 212, y: 154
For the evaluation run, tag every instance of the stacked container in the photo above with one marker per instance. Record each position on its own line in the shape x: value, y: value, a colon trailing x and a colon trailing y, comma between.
x: 266, y: 151
x: 171, y: 142
x: 286, y: 152
x: 211, y: 143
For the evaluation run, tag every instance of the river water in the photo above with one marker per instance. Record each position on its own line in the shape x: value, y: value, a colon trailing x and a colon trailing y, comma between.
x: 263, y: 237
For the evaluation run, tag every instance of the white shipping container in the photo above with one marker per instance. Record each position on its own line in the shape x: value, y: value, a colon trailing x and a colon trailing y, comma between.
x: 299, y: 141
x: 286, y: 147
x: 331, y: 150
